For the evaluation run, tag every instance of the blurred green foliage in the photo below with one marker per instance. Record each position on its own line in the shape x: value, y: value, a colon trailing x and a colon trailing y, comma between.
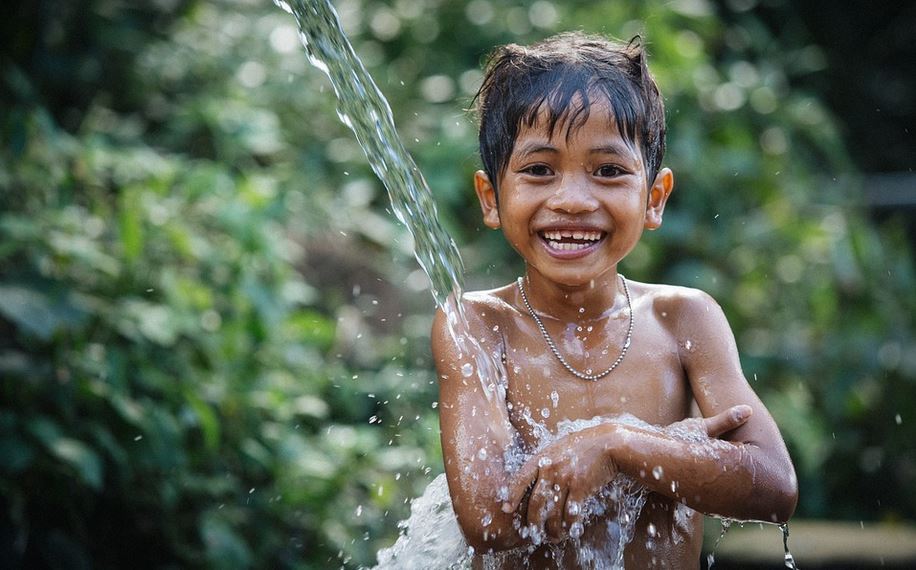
x: 213, y: 337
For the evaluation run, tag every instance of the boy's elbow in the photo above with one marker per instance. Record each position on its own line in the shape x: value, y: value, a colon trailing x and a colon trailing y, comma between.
x: 772, y: 493
x: 791, y: 497
x: 498, y: 534
x: 785, y: 498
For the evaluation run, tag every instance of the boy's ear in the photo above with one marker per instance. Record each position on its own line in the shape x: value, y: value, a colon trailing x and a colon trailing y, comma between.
x: 486, y: 194
x: 658, y: 196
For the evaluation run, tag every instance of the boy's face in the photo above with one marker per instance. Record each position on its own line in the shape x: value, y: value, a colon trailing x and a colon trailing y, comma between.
x: 574, y: 206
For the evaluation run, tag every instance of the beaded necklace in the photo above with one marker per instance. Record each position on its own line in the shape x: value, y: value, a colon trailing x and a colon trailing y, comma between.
x: 553, y: 347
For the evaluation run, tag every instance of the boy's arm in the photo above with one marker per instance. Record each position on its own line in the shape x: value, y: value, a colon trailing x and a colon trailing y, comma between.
x: 757, y: 480
x: 476, y: 432
x: 747, y: 475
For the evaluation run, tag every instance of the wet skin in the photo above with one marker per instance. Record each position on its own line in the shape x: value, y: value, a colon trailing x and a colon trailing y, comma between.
x: 574, y: 207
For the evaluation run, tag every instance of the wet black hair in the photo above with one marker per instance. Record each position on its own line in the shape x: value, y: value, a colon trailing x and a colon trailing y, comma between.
x: 558, y: 79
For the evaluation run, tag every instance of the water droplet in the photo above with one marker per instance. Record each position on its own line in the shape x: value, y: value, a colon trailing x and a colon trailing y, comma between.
x: 482, y: 453
x: 788, y: 559
x: 653, y: 532
x: 576, y: 530
x: 467, y: 369
x: 555, y: 400
x: 581, y: 310
x: 545, y: 462
x: 688, y: 344
x: 545, y: 413
x: 898, y: 419
x: 359, y: 510
x: 486, y: 520
x: 657, y: 472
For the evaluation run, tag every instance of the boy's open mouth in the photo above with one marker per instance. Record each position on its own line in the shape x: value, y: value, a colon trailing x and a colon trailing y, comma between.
x: 571, y: 240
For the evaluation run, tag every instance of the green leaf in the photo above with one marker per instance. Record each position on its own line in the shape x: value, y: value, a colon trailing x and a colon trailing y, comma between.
x: 209, y: 423
x: 38, y: 313
x: 225, y: 548
x: 311, y: 327
x: 131, y: 223
x: 79, y: 456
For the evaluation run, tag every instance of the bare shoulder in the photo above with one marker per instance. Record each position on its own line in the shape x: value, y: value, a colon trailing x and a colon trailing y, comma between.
x: 673, y: 299
x: 680, y: 309
x: 697, y: 325
x: 491, y: 305
x: 486, y: 312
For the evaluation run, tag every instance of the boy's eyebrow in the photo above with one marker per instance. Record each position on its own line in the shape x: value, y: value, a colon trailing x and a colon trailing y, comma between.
x: 611, y: 147
x: 532, y: 147
x: 614, y: 148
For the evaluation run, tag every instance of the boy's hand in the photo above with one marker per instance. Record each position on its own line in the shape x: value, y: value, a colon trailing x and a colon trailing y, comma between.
x: 726, y: 421
x: 561, y: 477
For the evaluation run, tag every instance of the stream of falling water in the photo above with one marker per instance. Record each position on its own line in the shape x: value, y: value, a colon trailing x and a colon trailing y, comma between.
x: 362, y: 107
x: 431, y: 537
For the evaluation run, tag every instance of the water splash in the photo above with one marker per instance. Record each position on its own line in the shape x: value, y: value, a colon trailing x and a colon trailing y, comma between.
x: 788, y: 559
x: 430, y: 538
x: 432, y: 542
x: 363, y: 108
x: 711, y: 557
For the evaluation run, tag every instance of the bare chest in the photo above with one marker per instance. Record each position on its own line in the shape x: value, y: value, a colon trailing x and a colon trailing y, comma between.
x: 649, y: 382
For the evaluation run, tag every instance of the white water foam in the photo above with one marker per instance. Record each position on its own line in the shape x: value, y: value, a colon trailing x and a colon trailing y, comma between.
x: 431, y: 537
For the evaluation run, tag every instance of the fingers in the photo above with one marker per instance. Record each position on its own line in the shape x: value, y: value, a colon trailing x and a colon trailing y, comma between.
x: 520, y: 482
x: 727, y: 420
x: 573, y: 513
x: 556, y: 526
x: 545, y: 512
x: 539, y: 505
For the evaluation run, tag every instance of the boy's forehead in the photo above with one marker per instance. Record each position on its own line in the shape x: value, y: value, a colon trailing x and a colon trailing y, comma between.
x: 548, y: 125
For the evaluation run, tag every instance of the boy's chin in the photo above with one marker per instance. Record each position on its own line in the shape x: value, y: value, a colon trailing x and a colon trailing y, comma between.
x: 574, y: 279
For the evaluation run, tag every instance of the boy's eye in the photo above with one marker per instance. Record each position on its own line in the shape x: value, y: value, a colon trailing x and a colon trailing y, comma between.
x: 537, y: 170
x: 608, y: 171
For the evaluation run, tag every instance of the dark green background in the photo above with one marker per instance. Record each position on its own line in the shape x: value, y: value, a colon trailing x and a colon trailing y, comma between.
x: 214, y: 339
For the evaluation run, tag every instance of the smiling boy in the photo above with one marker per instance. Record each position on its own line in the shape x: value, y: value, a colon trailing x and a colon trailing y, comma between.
x: 572, y: 137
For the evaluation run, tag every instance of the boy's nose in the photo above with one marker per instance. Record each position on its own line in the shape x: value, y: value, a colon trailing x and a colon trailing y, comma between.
x: 572, y: 195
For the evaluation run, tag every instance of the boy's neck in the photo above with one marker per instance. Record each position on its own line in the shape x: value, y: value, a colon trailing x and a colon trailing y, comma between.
x: 594, y: 300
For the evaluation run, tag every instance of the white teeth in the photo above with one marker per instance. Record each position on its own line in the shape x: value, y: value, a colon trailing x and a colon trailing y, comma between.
x: 564, y: 246
x: 556, y: 235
